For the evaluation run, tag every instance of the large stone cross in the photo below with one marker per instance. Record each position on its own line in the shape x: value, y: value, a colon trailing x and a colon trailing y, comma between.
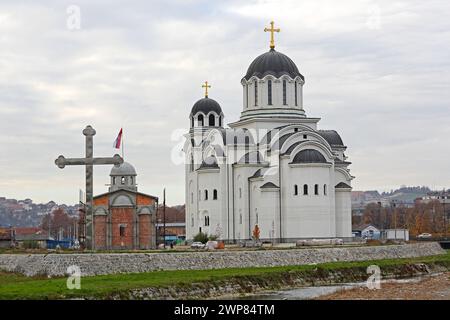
x: 89, y: 161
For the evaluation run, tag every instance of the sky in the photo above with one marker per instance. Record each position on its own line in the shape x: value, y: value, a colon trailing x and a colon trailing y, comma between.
x: 378, y: 72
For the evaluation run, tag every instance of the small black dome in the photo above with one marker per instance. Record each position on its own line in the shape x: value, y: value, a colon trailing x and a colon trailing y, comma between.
x: 309, y: 156
x: 332, y: 137
x: 206, y: 105
x: 274, y: 63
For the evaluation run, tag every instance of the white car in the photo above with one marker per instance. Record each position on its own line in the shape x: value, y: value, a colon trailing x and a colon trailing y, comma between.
x: 424, y: 236
x: 197, y: 245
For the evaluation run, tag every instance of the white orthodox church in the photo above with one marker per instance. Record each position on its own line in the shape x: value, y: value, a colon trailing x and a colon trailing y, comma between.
x: 274, y: 168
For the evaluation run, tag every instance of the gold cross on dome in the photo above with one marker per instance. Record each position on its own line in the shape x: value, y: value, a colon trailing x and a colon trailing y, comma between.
x: 206, y: 86
x: 272, y: 30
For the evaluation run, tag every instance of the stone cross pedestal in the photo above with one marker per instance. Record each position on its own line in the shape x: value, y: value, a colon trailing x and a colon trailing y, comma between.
x: 89, y: 161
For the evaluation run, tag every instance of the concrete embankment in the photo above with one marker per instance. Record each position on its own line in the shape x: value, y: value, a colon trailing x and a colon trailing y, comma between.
x: 53, y: 265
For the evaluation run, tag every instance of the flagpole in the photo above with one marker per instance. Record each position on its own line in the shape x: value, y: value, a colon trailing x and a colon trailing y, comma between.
x: 122, y: 144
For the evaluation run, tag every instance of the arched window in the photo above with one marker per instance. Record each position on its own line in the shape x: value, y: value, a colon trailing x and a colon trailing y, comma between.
x: 305, y: 189
x: 246, y: 95
x: 316, y: 189
x: 295, y: 190
x: 212, y: 120
x: 324, y: 189
x: 206, y: 194
x: 131, y: 180
x: 122, y: 230
x: 206, y: 221
x: 199, y: 195
x: 284, y: 92
x: 240, y: 217
x: 256, y: 93
x: 200, y: 120
x: 256, y: 217
x: 192, y: 162
x: 295, y: 86
x: 240, y: 192
x: 114, y: 180
x: 192, y: 222
x: 269, y: 92
x: 215, y: 194
x: 192, y: 197
x: 122, y: 180
x: 220, y: 121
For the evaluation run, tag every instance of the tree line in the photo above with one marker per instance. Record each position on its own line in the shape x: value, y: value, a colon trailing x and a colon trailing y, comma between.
x: 421, y: 218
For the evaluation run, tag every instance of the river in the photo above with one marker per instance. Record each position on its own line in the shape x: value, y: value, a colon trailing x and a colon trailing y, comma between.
x: 426, y: 287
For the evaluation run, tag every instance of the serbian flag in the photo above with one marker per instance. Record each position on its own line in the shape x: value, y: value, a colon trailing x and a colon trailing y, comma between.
x: 118, y: 140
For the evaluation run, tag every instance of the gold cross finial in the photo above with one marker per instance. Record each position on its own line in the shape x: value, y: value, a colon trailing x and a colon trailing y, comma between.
x: 272, y: 30
x: 206, y: 86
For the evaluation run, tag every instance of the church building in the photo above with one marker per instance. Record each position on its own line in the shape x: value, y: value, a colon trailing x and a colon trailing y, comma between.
x: 123, y: 217
x: 273, y: 168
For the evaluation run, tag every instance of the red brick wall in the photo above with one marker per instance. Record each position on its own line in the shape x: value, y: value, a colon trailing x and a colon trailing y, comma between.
x: 102, y: 201
x: 145, y: 232
x: 100, y: 232
x: 122, y: 216
x: 144, y: 200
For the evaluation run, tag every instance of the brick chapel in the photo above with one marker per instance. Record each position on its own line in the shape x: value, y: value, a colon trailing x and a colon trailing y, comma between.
x: 123, y: 217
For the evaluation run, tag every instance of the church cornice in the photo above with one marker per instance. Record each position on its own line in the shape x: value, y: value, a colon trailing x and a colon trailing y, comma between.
x: 207, y: 170
x: 281, y: 119
x: 303, y: 165
x: 260, y: 164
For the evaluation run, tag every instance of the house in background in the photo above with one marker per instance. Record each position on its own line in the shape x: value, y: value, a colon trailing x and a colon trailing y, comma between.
x: 366, y: 231
x: 175, y: 224
x: 35, y: 241
x: 6, y: 237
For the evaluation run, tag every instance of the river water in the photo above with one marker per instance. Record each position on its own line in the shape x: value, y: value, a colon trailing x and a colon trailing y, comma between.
x: 305, y: 293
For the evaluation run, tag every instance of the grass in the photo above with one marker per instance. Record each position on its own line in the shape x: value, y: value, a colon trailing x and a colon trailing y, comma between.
x: 15, y: 286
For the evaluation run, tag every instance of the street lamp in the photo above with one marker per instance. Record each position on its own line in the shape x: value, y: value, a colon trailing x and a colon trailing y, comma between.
x: 444, y: 197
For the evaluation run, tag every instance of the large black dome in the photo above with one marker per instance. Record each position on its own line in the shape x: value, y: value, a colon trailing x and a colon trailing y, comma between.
x: 274, y: 63
x: 206, y: 105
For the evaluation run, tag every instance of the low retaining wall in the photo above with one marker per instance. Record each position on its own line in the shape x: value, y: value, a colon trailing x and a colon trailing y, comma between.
x: 96, y: 264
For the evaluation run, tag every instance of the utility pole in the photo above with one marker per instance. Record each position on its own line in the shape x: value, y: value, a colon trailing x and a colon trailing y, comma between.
x: 395, y: 222
x: 444, y: 196
x: 164, y: 217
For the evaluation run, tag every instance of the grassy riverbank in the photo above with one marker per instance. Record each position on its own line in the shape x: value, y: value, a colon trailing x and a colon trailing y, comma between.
x: 14, y: 286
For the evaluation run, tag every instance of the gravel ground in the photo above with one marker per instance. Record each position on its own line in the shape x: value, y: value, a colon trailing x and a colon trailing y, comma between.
x: 430, y: 288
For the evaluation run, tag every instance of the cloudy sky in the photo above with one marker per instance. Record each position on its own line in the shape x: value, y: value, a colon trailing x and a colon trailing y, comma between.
x: 376, y: 71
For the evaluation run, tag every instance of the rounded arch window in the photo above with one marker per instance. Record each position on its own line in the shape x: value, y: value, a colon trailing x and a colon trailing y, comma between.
x: 212, y: 120
x: 305, y: 189
x: 269, y: 92
x: 256, y: 92
x: 200, y: 120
